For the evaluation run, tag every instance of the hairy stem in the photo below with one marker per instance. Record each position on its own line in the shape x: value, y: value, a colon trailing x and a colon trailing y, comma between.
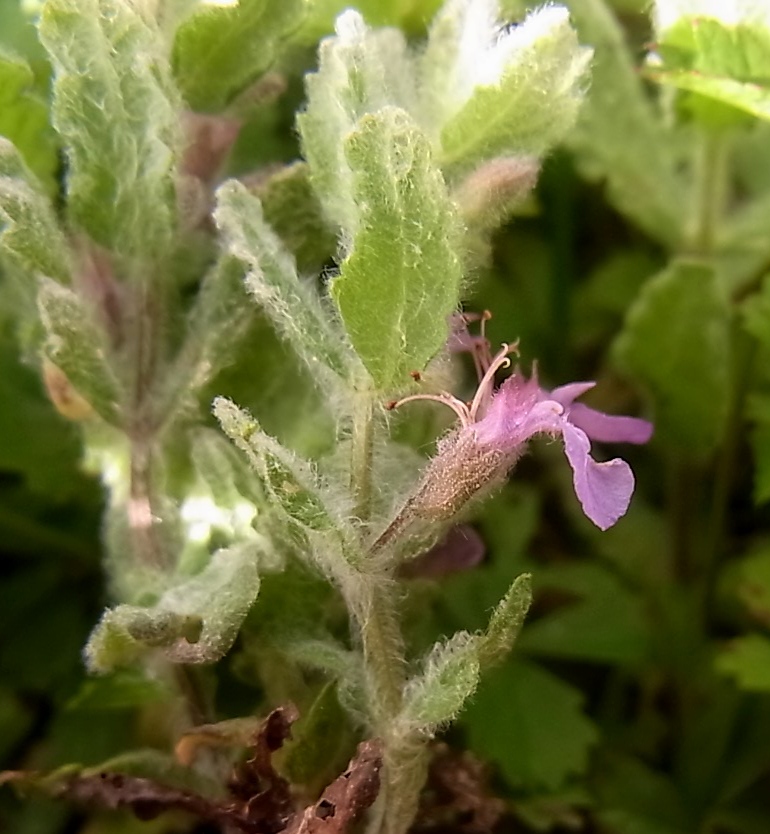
x: 362, y: 454
x: 405, y: 755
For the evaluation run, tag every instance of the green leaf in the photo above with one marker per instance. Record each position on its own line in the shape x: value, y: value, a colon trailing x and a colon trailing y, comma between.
x: 291, y: 481
x: 320, y: 743
x: 525, y: 91
x: 747, y: 659
x: 29, y: 233
x: 621, y: 137
x: 635, y: 799
x: 756, y: 314
x: 753, y: 583
x: 216, y: 326
x: 195, y: 621
x: 530, y: 724
x: 451, y: 671
x: 220, y: 49
x: 272, y: 280
x: 728, y: 64
x: 24, y: 119
x: 675, y: 343
x: 578, y: 630
x: 15, y: 721
x: 112, y: 108
x: 450, y: 676
x: 760, y: 445
x: 292, y: 208
x: 402, y: 278
x: 76, y: 346
x: 40, y: 445
x: 506, y: 621
x: 120, y: 690
x: 360, y: 71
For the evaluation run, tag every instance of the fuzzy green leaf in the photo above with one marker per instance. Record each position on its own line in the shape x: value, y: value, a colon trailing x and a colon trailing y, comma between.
x: 76, y: 346
x: 452, y: 669
x: 272, y: 280
x: 360, y: 71
x: 220, y: 49
x: 113, y: 110
x: 525, y: 85
x: 291, y: 481
x: 620, y: 136
x: 24, y: 119
x: 194, y: 622
x: 29, y: 232
x: 675, y: 343
x: 402, y: 278
x: 747, y: 659
x: 506, y: 621
x: 450, y: 677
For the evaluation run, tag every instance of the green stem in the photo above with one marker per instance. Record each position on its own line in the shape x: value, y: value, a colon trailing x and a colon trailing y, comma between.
x: 711, y: 180
x: 405, y: 756
x: 744, y: 352
x: 362, y: 454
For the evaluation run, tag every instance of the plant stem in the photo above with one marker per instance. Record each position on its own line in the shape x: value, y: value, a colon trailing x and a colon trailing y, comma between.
x: 744, y: 352
x: 405, y: 755
x: 711, y: 179
x: 374, y: 605
x: 362, y: 454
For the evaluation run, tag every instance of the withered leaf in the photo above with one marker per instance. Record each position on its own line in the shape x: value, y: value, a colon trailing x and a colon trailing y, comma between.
x: 346, y: 799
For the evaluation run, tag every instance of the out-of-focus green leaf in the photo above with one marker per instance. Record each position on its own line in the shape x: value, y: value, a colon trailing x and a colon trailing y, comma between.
x: 221, y: 48
x: 120, y: 690
x: 194, y: 622
x: 15, y: 721
x: 522, y: 88
x: 24, y: 118
x: 114, y: 111
x: 29, y: 233
x: 753, y: 583
x: 579, y: 630
x: 634, y: 799
x: 621, y: 138
x: 401, y: 279
x: 759, y: 411
x: 747, y: 659
x: 530, y: 724
x: 675, y: 344
x: 39, y: 444
x: 320, y: 742
x: 728, y: 64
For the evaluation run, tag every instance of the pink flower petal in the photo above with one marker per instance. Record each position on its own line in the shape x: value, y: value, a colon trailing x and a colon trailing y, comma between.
x: 603, y: 489
x: 607, y: 428
x: 567, y: 394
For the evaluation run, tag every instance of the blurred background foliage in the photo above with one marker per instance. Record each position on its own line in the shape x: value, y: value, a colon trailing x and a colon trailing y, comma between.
x: 638, y: 700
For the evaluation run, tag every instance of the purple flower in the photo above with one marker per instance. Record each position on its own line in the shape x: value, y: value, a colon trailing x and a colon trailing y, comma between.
x: 493, y: 432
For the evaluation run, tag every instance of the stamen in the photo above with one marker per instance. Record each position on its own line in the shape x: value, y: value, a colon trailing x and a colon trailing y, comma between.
x: 484, y: 391
x: 459, y: 408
